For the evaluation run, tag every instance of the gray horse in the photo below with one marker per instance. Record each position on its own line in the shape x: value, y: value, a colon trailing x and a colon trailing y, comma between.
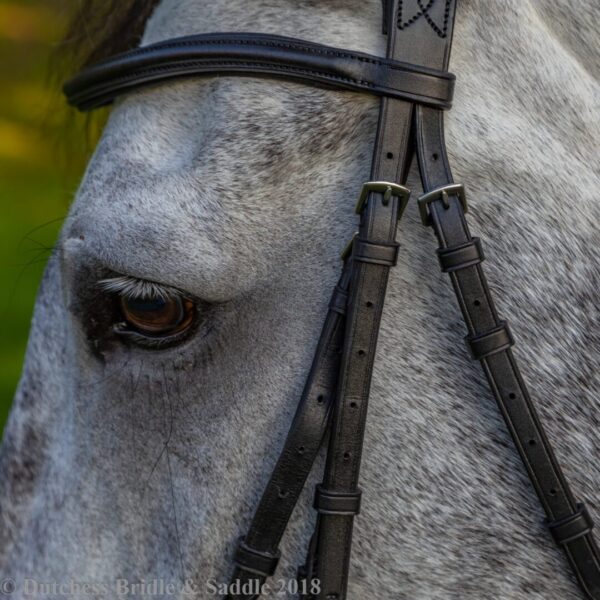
x: 126, y: 462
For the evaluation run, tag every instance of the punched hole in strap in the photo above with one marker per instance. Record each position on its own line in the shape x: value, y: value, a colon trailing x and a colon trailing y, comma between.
x: 255, y: 561
x: 336, y: 503
x: 462, y: 256
x: 572, y: 527
x: 377, y: 254
x: 490, y: 342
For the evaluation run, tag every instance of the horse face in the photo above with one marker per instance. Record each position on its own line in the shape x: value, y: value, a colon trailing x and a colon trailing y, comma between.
x: 236, y: 195
x: 122, y: 460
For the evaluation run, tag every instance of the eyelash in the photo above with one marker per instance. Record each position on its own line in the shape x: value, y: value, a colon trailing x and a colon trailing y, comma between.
x: 130, y: 287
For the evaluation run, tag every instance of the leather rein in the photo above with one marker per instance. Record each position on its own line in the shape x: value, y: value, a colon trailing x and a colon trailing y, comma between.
x: 415, y: 88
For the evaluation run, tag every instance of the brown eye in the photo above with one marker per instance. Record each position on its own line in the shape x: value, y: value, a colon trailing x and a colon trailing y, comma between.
x: 157, y: 317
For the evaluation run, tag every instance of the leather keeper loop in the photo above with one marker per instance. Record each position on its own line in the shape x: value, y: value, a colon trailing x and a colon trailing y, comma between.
x: 338, y: 301
x: 572, y: 527
x: 377, y: 254
x: 490, y: 342
x: 334, y: 503
x: 462, y: 256
x: 255, y: 561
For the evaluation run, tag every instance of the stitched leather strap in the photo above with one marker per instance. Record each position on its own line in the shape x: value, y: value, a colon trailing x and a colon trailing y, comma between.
x: 300, y: 449
x: 333, y: 533
x: 490, y: 342
x: 255, y: 55
x: 373, y: 254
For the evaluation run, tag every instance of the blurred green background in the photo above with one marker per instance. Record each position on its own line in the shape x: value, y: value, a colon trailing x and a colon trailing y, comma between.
x: 36, y: 182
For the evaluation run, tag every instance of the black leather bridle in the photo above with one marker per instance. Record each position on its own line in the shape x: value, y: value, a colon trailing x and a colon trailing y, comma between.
x: 414, y: 93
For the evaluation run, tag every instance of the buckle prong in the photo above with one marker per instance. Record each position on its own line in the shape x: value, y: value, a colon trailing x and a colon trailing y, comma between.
x: 445, y: 199
x: 442, y: 193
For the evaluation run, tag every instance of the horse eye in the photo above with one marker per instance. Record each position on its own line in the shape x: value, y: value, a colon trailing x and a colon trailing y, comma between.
x: 157, y: 317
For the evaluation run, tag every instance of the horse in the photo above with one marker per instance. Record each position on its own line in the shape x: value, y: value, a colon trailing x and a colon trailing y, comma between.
x: 127, y: 463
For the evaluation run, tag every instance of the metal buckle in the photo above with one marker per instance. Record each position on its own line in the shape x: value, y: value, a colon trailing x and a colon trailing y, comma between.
x: 441, y: 193
x: 388, y: 190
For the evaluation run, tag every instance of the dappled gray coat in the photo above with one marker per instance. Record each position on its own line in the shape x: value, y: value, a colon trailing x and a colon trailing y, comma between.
x: 127, y: 463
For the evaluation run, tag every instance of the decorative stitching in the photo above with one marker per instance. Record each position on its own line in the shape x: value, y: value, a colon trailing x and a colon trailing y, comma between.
x: 290, y: 46
x: 97, y: 94
x: 266, y: 43
x: 424, y: 12
x: 274, y: 66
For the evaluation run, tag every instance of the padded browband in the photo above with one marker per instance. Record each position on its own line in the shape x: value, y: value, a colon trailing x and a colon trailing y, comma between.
x: 258, y: 54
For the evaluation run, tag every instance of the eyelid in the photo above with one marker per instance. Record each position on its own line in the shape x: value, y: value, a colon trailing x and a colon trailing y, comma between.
x: 148, y: 342
x: 132, y: 287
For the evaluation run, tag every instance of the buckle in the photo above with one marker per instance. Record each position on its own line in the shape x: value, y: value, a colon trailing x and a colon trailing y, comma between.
x: 441, y: 193
x: 388, y: 190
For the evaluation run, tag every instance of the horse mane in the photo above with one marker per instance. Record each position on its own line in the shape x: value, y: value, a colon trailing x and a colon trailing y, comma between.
x: 98, y: 29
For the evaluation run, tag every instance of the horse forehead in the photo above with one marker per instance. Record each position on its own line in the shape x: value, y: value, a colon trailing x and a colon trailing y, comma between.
x: 352, y: 24
x: 194, y: 123
x: 191, y: 174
